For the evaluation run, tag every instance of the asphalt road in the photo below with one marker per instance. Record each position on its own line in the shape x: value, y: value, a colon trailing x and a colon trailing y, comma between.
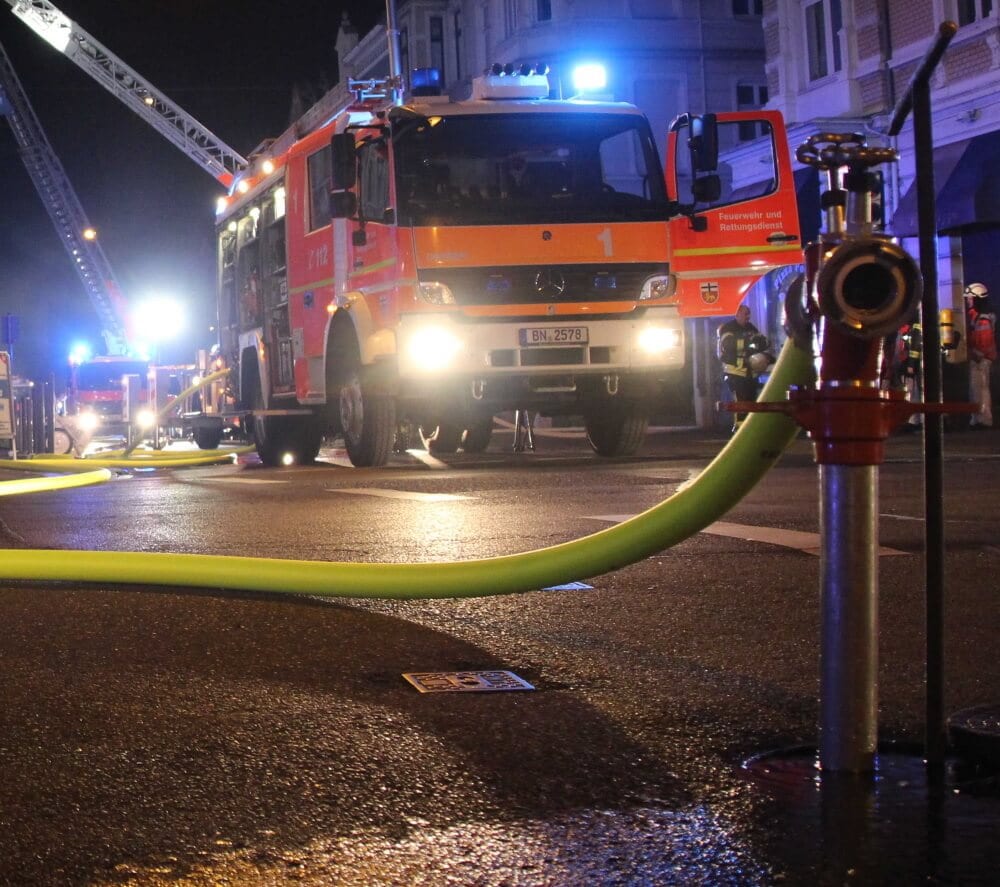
x: 165, y: 735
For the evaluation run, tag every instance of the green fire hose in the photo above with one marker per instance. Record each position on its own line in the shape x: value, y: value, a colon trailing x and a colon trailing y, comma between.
x: 46, y: 484
x: 729, y: 477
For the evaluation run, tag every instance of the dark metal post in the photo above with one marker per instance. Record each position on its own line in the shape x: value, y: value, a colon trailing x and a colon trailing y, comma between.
x: 935, y: 739
x: 917, y: 99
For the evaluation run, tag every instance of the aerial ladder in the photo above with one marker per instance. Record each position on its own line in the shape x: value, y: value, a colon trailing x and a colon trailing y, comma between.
x: 63, y: 206
x: 201, y: 145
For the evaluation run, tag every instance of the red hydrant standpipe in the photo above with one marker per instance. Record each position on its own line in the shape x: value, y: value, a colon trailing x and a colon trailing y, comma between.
x: 859, y: 286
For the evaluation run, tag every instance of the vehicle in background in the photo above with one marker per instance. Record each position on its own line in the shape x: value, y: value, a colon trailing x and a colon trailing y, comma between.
x: 96, y: 393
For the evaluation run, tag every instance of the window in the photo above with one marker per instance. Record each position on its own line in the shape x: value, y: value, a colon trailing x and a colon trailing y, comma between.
x: 320, y: 173
x: 437, y: 44
x: 748, y: 7
x: 750, y: 97
x: 496, y: 169
x: 404, y: 54
x: 731, y: 191
x: 509, y: 17
x: 543, y: 10
x: 373, y: 162
x: 458, y: 46
x: 823, y: 25
x: 970, y: 11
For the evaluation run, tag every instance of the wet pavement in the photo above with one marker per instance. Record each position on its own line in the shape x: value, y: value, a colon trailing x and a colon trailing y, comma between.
x: 165, y: 736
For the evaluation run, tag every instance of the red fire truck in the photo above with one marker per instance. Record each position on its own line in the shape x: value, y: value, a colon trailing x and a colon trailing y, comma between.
x: 96, y: 392
x: 435, y: 262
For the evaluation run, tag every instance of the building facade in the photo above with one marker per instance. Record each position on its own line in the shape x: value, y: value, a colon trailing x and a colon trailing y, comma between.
x: 842, y: 65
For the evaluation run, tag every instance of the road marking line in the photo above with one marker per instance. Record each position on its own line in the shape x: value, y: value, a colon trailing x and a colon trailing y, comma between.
x: 240, y: 480
x: 336, y: 457
x: 808, y: 543
x: 402, y: 494
x: 425, y: 457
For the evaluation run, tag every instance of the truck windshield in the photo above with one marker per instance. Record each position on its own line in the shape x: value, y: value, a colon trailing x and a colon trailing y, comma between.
x: 106, y: 376
x: 493, y: 169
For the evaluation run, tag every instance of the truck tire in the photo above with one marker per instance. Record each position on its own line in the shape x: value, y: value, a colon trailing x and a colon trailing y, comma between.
x: 477, y: 436
x: 62, y: 442
x: 618, y: 432
x: 207, y: 437
x: 368, y: 423
x: 277, y: 437
x: 303, y: 436
x: 445, y: 439
x: 268, y: 439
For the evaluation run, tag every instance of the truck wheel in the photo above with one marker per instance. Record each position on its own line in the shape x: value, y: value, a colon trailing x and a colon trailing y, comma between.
x: 277, y: 437
x: 368, y: 422
x: 306, y: 439
x: 444, y: 439
x: 207, y: 437
x: 62, y: 442
x: 268, y: 438
x: 477, y: 436
x: 618, y: 432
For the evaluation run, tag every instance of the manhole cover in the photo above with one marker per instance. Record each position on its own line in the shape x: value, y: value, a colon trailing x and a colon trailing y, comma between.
x: 466, y: 681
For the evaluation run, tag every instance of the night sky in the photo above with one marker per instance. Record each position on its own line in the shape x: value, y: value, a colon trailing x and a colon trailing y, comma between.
x: 233, y: 65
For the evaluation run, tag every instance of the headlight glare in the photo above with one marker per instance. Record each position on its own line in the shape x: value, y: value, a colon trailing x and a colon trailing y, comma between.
x: 145, y: 419
x: 89, y: 421
x: 659, y: 339
x: 433, y: 347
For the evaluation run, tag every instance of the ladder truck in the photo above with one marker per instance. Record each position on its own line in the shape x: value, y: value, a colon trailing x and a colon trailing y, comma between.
x: 63, y: 206
x: 95, y: 396
x: 170, y: 120
x: 92, y: 394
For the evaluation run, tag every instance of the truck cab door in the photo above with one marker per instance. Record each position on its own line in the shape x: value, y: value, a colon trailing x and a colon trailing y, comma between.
x: 736, y: 217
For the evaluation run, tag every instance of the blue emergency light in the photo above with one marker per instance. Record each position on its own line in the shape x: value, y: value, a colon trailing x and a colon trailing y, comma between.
x: 425, y: 81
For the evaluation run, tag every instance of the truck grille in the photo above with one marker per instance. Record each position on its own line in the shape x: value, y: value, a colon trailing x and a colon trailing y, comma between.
x: 533, y: 284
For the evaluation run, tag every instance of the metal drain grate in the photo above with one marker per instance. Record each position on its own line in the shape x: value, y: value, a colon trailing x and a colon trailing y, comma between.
x: 466, y: 681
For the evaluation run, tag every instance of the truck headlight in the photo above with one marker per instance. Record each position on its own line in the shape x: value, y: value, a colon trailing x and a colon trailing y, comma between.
x: 433, y: 347
x: 659, y: 339
x: 659, y: 287
x: 436, y: 293
x: 145, y: 419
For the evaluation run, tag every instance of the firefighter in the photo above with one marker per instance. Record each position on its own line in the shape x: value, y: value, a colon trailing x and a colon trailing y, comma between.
x: 745, y: 356
x: 906, y: 368
x: 981, y: 331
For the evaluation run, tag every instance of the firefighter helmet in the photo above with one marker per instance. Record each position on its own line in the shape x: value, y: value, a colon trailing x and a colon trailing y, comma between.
x: 759, y: 362
x: 976, y: 291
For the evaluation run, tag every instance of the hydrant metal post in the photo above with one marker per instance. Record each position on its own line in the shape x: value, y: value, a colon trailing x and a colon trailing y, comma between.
x: 848, y: 732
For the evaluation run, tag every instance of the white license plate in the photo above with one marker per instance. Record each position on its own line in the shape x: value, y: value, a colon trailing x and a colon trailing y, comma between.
x: 553, y: 335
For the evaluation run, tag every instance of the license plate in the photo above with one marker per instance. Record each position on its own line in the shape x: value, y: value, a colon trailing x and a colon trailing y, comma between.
x: 553, y: 335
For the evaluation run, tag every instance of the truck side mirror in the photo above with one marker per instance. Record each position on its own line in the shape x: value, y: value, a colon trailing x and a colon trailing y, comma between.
x: 707, y: 189
x: 343, y: 204
x: 703, y: 143
x: 344, y: 161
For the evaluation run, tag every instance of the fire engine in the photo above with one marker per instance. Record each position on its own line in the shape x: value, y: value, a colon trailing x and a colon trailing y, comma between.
x: 435, y: 262
x: 96, y: 392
